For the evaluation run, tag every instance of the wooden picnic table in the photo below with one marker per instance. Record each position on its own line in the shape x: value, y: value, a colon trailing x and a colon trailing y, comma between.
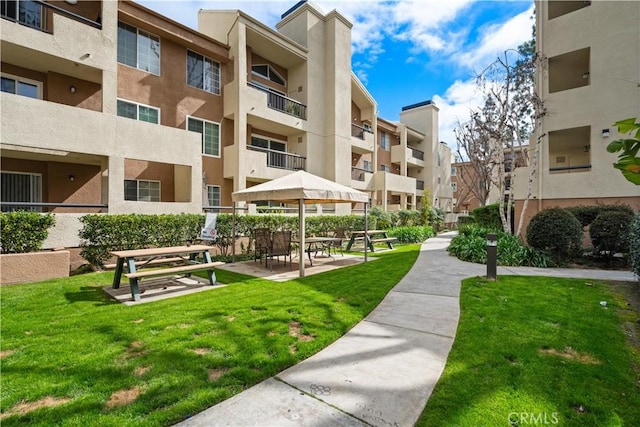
x: 137, y: 259
x: 370, y: 237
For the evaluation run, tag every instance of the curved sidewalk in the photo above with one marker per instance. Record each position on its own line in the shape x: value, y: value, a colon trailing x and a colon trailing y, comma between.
x: 382, y: 371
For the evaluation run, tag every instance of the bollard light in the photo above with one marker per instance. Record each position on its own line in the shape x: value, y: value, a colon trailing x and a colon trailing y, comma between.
x: 492, y: 256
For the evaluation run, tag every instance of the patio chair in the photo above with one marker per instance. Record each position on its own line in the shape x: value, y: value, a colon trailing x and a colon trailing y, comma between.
x: 262, y: 244
x: 280, y: 246
x: 339, y: 233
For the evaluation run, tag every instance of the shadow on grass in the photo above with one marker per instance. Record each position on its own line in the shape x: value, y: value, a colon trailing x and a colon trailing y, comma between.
x: 90, y: 294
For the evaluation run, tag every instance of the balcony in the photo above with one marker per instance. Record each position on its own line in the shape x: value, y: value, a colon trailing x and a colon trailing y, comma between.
x: 282, y: 160
x: 569, y: 70
x: 386, y: 181
x: 281, y: 103
x: 362, y: 139
x: 569, y: 150
x: 38, y: 14
x: 412, y: 156
x: 360, y: 178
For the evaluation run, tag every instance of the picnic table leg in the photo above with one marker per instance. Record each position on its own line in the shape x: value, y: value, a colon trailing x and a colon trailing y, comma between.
x: 369, y: 243
x: 133, y: 283
x: 206, y: 256
x: 351, y: 241
x: 118, y: 273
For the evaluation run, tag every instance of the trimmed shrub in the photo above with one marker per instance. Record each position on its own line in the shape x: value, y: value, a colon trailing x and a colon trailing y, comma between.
x: 634, y: 245
x: 586, y: 214
x: 413, y: 234
x: 489, y: 216
x: 408, y: 218
x: 22, y: 231
x: 609, y: 232
x: 556, y: 232
x: 466, y: 220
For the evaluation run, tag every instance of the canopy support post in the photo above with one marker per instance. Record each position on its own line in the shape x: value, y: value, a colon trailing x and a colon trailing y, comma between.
x: 233, y: 234
x: 301, y: 235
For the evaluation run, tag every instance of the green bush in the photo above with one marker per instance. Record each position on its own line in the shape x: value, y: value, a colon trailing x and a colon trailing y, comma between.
x: 489, y: 216
x: 471, y: 245
x: 634, y: 245
x: 466, y: 220
x: 609, y: 232
x: 412, y: 234
x: 102, y: 234
x: 586, y: 214
x: 556, y: 232
x: 23, y: 231
x: 408, y: 218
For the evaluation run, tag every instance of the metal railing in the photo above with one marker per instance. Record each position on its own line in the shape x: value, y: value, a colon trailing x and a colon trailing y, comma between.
x: 417, y: 154
x: 281, y: 103
x: 281, y: 159
x: 358, y: 131
x: 35, y: 14
x: 570, y: 168
x: 358, y: 174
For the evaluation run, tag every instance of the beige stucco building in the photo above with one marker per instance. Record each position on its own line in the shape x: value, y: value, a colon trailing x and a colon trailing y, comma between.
x: 111, y: 107
x: 592, y: 81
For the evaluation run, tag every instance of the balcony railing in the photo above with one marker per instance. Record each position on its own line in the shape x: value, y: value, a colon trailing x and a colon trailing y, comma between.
x: 282, y: 160
x: 419, y: 185
x: 417, y: 154
x: 567, y: 169
x: 358, y: 174
x: 281, y: 103
x: 358, y: 131
x: 36, y: 14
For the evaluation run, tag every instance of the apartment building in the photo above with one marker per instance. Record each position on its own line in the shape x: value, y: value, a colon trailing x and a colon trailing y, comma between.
x: 592, y: 81
x: 128, y: 111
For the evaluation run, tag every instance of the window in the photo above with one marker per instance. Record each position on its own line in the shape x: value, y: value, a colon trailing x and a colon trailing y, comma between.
x: 138, y: 49
x: 26, y: 12
x: 267, y: 72
x: 454, y: 171
x: 21, y: 86
x: 385, y: 168
x: 367, y: 165
x: 454, y: 186
x: 210, y: 135
x: 213, y: 196
x: 203, y: 73
x: 133, y: 110
x: 20, y: 187
x: 439, y: 180
x: 384, y: 142
x: 439, y: 159
x: 141, y: 190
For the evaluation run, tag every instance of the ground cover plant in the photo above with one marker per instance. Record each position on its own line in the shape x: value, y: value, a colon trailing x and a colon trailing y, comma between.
x: 540, y: 351
x: 471, y: 245
x: 71, y: 356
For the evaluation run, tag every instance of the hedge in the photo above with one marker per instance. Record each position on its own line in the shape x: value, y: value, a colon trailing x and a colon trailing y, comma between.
x: 102, y: 234
x: 634, y: 245
x: 609, y: 232
x: 587, y: 214
x: 23, y: 231
x: 556, y: 232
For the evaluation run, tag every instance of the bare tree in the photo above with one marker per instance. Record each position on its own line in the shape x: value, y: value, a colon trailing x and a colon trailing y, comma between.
x: 503, y: 126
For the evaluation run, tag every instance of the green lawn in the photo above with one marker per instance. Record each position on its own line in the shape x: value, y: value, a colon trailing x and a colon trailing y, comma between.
x: 539, y: 351
x: 73, y: 357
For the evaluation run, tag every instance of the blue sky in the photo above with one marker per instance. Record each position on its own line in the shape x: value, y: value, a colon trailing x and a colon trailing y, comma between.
x: 405, y: 51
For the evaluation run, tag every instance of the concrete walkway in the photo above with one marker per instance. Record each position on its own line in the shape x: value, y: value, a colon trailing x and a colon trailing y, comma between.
x: 382, y: 371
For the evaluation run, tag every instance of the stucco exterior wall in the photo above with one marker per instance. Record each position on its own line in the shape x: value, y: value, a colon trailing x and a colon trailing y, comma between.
x: 33, y: 267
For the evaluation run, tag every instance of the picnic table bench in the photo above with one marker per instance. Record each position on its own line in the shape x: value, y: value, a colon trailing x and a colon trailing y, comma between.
x: 133, y: 260
x: 369, y: 238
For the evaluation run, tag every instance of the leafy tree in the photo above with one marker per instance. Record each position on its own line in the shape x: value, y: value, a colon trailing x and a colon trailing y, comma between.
x: 628, y: 160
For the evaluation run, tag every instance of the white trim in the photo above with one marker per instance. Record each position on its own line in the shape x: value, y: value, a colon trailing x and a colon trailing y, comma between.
x: 217, y: 156
x: 138, y: 105
x: 138, y: 181
x: 38, y: 84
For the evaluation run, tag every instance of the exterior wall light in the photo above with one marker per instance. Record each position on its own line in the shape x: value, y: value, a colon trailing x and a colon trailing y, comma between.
x: 72, y: 89
x: 605, y: 133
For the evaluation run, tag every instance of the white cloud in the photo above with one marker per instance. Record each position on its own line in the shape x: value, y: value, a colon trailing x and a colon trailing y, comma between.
x: 496, y: 39
x: 455, y: 106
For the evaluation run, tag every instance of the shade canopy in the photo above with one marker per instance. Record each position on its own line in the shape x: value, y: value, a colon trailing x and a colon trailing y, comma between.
x: 301, y: 185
